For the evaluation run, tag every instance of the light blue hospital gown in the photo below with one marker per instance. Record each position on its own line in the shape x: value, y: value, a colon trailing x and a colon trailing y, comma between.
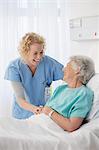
x: 47, y: 71
x: 71, y: 102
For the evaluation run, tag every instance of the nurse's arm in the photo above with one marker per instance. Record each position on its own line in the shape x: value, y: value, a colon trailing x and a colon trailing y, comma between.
x: 20, y: 98
x: 68, y: 124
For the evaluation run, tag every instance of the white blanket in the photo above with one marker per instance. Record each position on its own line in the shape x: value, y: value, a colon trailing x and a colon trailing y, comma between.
x: 41, y: 133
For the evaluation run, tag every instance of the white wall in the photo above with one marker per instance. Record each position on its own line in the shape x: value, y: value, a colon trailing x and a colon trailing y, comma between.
x: 81, y: 8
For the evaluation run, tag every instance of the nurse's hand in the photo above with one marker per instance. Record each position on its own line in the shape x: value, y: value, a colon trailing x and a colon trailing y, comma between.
x: 46, y: 110
x: 37, y: 110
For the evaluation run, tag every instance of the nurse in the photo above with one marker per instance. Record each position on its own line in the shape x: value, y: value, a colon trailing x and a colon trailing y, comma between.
x: 31, y: 76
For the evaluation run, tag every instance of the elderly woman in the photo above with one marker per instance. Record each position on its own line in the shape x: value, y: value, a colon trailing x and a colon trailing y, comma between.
x: 31, y: 76
x: 71, y: 102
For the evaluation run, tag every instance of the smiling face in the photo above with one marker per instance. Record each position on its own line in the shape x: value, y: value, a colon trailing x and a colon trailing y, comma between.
x: 69, y: 72
x: 35, y: 54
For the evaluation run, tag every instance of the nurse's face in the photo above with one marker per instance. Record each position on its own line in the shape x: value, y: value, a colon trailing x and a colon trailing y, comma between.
x: 35, y: 54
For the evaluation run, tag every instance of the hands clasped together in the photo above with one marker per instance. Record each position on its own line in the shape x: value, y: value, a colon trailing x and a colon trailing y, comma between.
x: 38, y: 110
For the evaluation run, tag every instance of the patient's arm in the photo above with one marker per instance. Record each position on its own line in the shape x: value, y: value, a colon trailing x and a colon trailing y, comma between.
x: 70, y: 124
x: 20, y: 98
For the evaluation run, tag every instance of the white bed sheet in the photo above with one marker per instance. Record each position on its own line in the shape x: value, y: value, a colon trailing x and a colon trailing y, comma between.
x: 41, y: 133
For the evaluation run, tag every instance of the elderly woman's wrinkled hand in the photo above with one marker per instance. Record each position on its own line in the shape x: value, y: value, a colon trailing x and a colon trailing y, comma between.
x: 46, y: 110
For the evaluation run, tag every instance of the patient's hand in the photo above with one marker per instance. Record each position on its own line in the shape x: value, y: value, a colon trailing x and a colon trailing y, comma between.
x: 46, y: 110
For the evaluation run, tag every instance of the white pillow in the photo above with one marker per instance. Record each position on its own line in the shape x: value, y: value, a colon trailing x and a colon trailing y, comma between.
x: 94, y: 85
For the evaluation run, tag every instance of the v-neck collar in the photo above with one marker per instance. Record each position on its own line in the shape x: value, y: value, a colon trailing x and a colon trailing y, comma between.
x: 36, y: 71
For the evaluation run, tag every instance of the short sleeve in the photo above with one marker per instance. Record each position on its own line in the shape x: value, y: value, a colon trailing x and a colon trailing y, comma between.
x: 53, y: 70
x: 12, y: 73
x: 57, y: 71
x: 83, y: 106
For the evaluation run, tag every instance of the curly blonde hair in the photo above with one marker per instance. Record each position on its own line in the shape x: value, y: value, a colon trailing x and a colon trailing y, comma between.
x: 27, y: 41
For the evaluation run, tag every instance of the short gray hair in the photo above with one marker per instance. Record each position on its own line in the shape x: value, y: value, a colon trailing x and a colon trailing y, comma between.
x: 86, y: 65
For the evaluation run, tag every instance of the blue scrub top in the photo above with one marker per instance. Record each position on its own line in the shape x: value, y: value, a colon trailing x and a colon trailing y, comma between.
x: 47, y: 71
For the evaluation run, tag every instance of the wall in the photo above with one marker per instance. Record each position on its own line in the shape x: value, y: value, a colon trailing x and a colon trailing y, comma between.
x: 81, y: 8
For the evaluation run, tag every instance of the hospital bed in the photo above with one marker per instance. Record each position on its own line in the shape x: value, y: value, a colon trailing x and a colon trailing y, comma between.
x: 42, y: 133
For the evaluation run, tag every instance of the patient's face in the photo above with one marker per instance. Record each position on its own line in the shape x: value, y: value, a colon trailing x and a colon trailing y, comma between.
x: 69, y: 72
